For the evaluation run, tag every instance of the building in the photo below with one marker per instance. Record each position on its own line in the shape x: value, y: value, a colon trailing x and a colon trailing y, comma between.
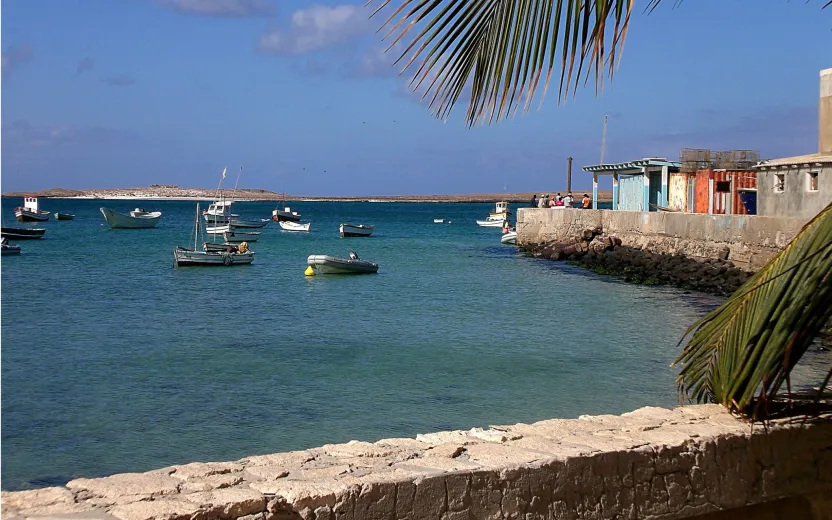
x: 640, y: 185
x: 800, y: 187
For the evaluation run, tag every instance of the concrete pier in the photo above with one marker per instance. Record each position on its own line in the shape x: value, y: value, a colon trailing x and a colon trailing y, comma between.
x: 653, y: 463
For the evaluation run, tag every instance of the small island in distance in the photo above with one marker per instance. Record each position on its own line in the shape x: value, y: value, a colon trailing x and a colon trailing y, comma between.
x: 173, y: 192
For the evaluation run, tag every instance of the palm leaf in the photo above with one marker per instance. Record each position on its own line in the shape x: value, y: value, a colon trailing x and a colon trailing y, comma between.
x: 500, y: 48
x: 749, y: 345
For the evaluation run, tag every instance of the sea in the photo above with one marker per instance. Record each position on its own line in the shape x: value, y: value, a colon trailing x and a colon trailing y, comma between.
x: 115, y: 361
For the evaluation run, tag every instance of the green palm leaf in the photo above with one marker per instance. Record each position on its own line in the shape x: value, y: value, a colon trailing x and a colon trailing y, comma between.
x: 749, y: 345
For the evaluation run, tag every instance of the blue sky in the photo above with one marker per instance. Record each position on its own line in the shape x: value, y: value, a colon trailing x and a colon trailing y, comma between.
x: 113, y: 93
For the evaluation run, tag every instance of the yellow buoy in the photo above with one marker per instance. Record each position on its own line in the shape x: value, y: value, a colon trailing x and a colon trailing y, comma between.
x: 309, y: 271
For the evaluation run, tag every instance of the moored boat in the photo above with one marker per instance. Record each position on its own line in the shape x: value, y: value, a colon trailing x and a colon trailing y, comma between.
x: 235, y: 237
x: 29, y: 211
x: 64, y: 216
x: 288, y: 225
x: 498, y: 217
x: 211, y: 255
x: 9, y: 249
x: 439, y: 221
x: 326, y: 264
x: 238, y: 223
x: 355, y: 230
x: 22, y: 233
x: 509, y: 238
x: 286, y: 214
x: 137, y: 219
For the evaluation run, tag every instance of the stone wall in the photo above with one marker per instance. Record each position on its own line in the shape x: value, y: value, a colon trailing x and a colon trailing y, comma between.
x: 652, y: 463
x: 747, y: 241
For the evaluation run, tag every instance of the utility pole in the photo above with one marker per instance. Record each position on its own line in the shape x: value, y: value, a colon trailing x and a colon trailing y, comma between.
x: 604, y: 138
x: 569, y: 175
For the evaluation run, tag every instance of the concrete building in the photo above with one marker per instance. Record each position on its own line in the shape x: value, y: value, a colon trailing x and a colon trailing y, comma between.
x: 639, y: 185
x: 800, y: 186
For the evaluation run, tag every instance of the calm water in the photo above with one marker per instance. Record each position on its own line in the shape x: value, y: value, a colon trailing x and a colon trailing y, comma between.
x: 114, y: 361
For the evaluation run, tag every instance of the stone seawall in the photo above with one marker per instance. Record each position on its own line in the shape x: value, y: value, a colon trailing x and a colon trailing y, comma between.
x: 653, y: 463
x: 747, y: 241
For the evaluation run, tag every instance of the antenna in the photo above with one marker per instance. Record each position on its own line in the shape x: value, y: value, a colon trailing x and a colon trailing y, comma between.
x: 604, y: 138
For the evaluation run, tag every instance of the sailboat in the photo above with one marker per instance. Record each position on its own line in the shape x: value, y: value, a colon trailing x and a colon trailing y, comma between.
x: 218, y: 216
x: 210, y: 255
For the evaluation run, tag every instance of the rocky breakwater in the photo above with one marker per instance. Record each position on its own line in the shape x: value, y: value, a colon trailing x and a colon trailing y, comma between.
x: 651, y: 463
x: 607, y: 254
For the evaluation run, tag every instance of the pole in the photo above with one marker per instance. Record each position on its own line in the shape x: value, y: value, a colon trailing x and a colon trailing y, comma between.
x: 604, y: 138
x: 569, y: 175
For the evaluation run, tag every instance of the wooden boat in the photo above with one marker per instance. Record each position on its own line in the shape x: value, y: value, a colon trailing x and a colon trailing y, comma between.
x: 326, y: 264
x: 286, y: 214
x: 238, y: 223
x: 22, y: 233
x: 355, y: 230
x: 288, y: 225
x: 496, y: 218
x: 235, y: 237
x: 64, y: 216
x: 137, y: 219
x: 9, y: 249
x: 509, y: 238
x: 210, y: 256
x: 29, y: 211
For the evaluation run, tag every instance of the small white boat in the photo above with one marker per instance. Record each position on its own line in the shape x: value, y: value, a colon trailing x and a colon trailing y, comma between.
x: 326, y: 264
x: 29, y: 211
x: 9, y: 249
x: 439, y: 221
x: 355, y: 230
x: 288, y: 225
x: 496, y: 218
x: 236, y: 237
x: 509, y: 238
x: 137, y: 219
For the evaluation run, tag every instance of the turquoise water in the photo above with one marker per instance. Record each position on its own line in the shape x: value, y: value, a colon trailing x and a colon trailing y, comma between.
x: 114, y: 361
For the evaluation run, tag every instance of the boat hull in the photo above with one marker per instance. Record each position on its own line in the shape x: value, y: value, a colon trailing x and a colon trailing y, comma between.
x: 236, y: 237
x: 29, y: 215
x: 64, y: 216
x: 288, y: 225
x: 509, y: 238
x: 279, y: 215
x: 120, y: 221
x: 491, y: 223
x: 10, y: 250
x: 22, y: 233
x: 326, y: 264
x: 349, y: 230
x: 189, y: 258
x: 248, y: 224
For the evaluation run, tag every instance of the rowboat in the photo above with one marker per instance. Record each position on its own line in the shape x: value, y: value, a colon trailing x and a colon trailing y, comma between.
x: 355, y: 230
x: 64, y: 216
x: 22, y: 233
x: 29, y: 211
x: 326, y: 264
x: 137, y: 219
x: 287, y: 225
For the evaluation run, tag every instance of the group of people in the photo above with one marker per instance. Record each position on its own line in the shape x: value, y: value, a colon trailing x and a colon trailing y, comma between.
x: 546, y: 201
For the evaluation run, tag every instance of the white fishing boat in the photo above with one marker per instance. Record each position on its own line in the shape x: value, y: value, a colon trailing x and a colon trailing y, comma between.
x: 182, y: 256
x: 287, y: 225
x: 326, y: 264
x: 496, y: 218
x: 219, y: 212
x: 29, y: 211
x: 509, y: 238
x: 235, y: 237
x: 355, y: 230
x: 9, y: 249
x: 137, y: 219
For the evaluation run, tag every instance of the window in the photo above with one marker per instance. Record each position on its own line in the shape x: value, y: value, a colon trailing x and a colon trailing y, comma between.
x: 723, y: 186
x: 812, y: 182
x: 779, y: 182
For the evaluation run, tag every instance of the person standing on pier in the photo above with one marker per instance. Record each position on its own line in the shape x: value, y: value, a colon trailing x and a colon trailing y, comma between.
x: 586, y: 203
x: 533, y: 203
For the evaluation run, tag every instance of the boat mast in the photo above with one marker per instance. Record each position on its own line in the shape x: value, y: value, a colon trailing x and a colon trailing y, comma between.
x: 236, y: 183
x: 196, y: 224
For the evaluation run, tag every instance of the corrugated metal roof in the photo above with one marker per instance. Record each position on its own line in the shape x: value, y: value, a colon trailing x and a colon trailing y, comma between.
x: 632, y: 165
x: 812, y: 158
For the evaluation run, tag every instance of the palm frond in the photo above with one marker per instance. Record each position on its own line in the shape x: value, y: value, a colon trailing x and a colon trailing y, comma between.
x: 749, y: 345
x: 500, y: 48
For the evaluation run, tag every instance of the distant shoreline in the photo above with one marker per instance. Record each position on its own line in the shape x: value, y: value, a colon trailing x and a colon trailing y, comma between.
x: 175, y: 193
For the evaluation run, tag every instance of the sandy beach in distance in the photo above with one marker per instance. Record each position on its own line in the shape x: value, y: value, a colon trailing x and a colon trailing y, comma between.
x: 153, y: 193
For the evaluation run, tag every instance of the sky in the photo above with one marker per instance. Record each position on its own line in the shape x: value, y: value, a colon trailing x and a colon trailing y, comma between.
x: 301, y: 95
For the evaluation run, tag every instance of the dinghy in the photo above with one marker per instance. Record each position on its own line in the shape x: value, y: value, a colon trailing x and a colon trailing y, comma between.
x: 326, y: 264
x: 137, y: 219
x: 355, y: 230
x: 288, y: 225
x: 509, y: 238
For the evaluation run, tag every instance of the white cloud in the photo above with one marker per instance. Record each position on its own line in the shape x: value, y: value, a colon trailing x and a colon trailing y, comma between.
x: 316, y: 28
x: 222, y: 8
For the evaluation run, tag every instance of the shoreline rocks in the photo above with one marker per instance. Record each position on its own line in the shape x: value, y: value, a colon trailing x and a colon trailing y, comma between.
x: 607, y: 254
